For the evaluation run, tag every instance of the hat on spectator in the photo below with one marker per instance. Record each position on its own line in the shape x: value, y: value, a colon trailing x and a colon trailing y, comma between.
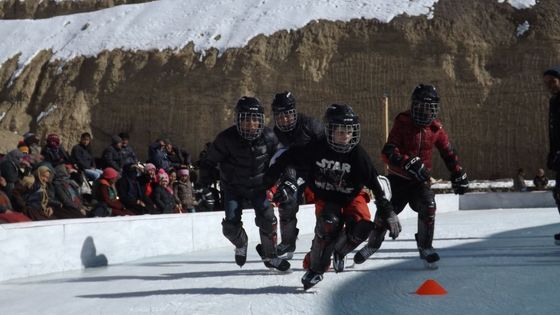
x: 183, y: 172
x: 150, y: 167
x: 124, y: 136
x: 554, y: 71
x: 115, y: 139
x: 110, y: 173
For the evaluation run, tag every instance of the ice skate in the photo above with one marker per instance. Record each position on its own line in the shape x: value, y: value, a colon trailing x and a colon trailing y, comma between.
x: 311, y: 278
x: 274, y: 262
x: 285, y: 251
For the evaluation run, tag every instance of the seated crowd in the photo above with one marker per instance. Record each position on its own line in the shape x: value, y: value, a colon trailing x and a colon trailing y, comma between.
x: 46, y: 183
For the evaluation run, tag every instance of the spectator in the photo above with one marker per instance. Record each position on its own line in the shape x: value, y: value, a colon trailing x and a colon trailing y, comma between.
x: 112, y: 156
x: 68, y: 191
x: 7, y: 213
x: 20, y: 195
x: 128, y: 155
x: 157, y: 154
x: 82, y: 156
x: 53, y: 151
x: 176, y: 156
x: 519, y: 181
x: 540, y: 180
x: 10, y: 169
x: 163, y: 196
x: 32, y: 142
x: 131, y: 193
x: 149, y: 180
x: 106, y: 195
x: 183, y: 189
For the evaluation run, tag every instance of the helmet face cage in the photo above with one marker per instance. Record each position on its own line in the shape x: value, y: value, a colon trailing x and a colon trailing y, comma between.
x: 423, y: 113
x: 342, y: 138
x: 244, y: 122
x: 286, y: 120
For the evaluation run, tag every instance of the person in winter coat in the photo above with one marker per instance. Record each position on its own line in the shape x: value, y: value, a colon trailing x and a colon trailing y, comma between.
x: 163, y: 196
x: 105, y: 192
x: 53, y: 151
x: 7, y: 212
x: 67, y: 190
x: 243, y: 153
x: 408, y: 153
x: 20, y: 194
x: 338, y: 170
x: 32, y: 142
x: 112, y: 155
x: 83, y: 158
x: 551, y: 78
x: 131, y: 191
x: 157, y: 154
x: 540, y: 181
x: 127, y: 153
x: 10, y: 169
x: 183, y: 190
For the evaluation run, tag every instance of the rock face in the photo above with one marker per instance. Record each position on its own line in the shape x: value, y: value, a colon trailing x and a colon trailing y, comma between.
x: 494, y: 105
x: 41, y: 9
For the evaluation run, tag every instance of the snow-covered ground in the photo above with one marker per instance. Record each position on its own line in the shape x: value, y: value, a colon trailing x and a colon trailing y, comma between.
x: 173, y: 24
x: 493, y: 262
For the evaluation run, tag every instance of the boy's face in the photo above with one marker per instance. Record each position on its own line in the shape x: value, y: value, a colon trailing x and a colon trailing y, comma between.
x: 342, y: 134
x: 85, y: 141
x: 285, y: 119
x: 552, y: 83
x: 250, y: 124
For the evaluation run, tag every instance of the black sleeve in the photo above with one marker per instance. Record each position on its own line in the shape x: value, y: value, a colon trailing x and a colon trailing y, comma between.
x: 370, y: 174
x: 78, y: 157
x: 292, y: 156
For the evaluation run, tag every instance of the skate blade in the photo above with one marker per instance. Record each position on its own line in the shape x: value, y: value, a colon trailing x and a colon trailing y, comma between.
x: 430, y: 266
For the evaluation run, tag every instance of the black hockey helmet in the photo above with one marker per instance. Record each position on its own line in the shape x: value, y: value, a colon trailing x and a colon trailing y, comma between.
x: 342, y: 128
x: 425, y: 104
x: 284, y: 110
x: 249, y: 117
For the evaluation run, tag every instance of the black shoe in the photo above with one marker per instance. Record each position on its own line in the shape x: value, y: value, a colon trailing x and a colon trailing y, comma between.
x: 429, y: 255
x: 338, y: 262
x: 285, y: 249
x: 241, y: 255
x: 275, y: 262
x: 311, y: 278
x: 363, y: 254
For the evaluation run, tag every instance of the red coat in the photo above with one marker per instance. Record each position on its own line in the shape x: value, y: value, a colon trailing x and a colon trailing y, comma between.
x: 406, y: 140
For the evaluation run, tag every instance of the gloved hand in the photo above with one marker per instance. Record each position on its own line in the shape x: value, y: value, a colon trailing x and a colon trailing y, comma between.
x: 389, y: 217
x: 459, y: 182
x: 284, y: 192
x: 416, y: 168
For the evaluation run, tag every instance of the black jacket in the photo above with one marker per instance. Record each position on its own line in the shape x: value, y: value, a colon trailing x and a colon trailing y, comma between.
x: 82, y: 157
x: 553, y: 162
x: 242, y: 163
x: 333, y: 177
x: 307, y: 130
x: 164, y: 200
x: 112, y: 157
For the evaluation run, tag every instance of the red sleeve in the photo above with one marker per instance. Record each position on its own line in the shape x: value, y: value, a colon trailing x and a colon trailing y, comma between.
x: 446, y: 151
x: 390, y: 153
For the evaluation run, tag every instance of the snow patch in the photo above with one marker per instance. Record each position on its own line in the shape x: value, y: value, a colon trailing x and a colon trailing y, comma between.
x: 46, y: 113
x: 522, y: 28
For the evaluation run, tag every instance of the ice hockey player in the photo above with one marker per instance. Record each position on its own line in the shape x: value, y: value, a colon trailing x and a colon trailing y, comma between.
x: 551, y: 79
x: 243, y: 154
x: 338, y: 170
x: 293, y: 129
x: 408, y: 152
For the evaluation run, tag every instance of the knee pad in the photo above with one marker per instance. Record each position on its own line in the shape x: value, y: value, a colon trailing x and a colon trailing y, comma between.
x: 328, y: 226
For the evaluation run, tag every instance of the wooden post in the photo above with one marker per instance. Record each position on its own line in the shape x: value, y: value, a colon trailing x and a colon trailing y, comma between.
x: 386, y: 123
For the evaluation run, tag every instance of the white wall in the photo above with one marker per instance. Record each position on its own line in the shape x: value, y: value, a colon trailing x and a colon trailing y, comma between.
x: 35, y: 248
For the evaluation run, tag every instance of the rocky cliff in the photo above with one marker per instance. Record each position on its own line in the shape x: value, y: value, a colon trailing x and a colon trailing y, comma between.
x: 493, y: 103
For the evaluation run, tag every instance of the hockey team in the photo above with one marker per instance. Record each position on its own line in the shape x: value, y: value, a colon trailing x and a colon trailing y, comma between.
x: 301, y: 152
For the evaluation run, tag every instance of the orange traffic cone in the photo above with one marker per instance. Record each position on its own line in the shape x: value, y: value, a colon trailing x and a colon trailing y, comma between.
x: 431, y: 287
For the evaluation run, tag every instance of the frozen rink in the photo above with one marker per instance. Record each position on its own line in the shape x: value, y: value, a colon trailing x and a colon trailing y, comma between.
x: 493, y: 262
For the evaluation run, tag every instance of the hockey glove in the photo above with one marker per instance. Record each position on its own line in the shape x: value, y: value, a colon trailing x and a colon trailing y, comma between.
x: 416, y: 168
x: 285, y: 192
x: 389, y: 217
x: 459, y: 182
